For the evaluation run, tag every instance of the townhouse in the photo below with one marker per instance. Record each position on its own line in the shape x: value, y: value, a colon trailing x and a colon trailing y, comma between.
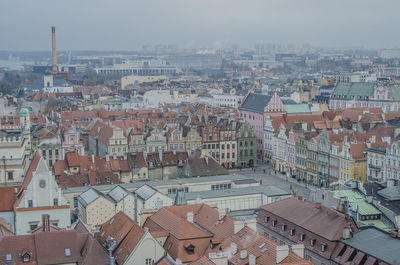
x: 293, y: 221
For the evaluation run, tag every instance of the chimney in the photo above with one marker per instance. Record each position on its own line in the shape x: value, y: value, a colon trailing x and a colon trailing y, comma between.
x: 53, y: 49
x: 15, y: 194
x: 190, y: 217
x: 243, y: 254
x: 93, y: 159
x: 237, y: 226
x: 233, y: 248
x: 346, y: 232
x: 370, y: 198
x: 281, y: 253
x: 298, y: 249
x: 46, y: 222
x: 318, y: 205
x: 221, y: 213
x: 252, y: 259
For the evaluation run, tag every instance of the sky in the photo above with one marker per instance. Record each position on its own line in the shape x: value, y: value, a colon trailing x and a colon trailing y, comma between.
x: 129, y: 24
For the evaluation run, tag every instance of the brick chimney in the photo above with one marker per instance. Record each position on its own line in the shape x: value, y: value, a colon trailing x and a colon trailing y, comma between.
x: 318, y: 205
x: 46, y: 222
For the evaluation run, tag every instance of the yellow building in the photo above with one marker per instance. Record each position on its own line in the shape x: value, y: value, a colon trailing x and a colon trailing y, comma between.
x: 94, y: 208
x: 353, y: 163
x: 192, y: 139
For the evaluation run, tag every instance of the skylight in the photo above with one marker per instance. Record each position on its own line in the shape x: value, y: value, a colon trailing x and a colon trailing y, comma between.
x: 262, y: 245
x: 264, y: 250
x: 68, y: 252
x: 8, y: 257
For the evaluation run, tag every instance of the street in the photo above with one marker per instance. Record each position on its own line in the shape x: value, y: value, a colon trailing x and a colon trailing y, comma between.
x: 276, y: 179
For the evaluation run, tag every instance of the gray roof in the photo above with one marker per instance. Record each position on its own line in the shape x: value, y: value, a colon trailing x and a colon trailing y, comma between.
x: 376, y: 243
x: 270, y: 191
x: 255, y: 103
x: 145, y: 192
x: 158, y: 183
x: 244, y: 181
x: 89, y: 196
x: 118, y: 193
x: 391, y: 193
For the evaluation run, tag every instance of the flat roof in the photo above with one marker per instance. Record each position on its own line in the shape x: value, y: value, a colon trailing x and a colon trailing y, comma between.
x: 158, y: 183
x: 208, y: 194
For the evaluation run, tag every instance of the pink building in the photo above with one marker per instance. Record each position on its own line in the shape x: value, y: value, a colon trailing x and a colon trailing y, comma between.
x: 72, y: 142
x: 252, y: 111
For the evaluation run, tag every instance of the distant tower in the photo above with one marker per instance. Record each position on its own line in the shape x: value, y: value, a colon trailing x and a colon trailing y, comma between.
x: 54, y: 54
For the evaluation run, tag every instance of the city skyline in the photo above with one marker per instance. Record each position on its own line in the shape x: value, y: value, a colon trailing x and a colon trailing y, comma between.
x: 126, y: 25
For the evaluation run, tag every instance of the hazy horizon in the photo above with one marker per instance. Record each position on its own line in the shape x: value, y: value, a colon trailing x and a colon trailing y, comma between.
x: 126, y: 25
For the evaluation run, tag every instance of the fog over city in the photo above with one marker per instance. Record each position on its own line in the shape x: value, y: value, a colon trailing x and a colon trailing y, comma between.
x: 127, y: 24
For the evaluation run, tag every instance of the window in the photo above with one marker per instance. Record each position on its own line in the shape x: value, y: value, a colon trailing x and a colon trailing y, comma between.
x: 266, y: 218
x: 55, y: 202
x: 302, y: 235
x: 10, y: 175
x: 26, y: 257
x: 292, y: 231
x: 30, y: 203
x: 283, y: 227
x: 8, y: 257
x: 312, y: 242
x: 50, y: 152
x: 67, y: 252
x: 323, y: 247
x: 273, y: 222
x: 33, y: 226
x: 75, y: 201
x: 233, y: 146
x: 148, y: 261
x: 56, y: 152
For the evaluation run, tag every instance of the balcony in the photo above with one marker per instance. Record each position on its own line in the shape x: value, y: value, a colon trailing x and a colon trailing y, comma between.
x: 374, y: 166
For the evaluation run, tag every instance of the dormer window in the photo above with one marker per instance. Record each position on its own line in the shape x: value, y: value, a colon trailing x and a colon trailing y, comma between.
x: 68, y: 252
x: 292, y: 231
x: 323, y: 247
x: 312, y: 242
x: 8, y: 257
x: 189, y: 248
x: 26, y: 257
x: 273, y: 222
x: 266, y: 218
x: 283, y: 227
x: 302, y: 236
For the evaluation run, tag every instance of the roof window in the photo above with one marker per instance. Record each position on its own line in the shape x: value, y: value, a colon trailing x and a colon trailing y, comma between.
x: 68, y: 252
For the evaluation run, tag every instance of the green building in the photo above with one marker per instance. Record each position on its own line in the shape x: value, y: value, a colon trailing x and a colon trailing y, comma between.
x: 247, y: 146
x: 323, y: 160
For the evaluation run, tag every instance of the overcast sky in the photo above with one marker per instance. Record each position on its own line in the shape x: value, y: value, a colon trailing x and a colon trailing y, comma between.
x: 129, y: 24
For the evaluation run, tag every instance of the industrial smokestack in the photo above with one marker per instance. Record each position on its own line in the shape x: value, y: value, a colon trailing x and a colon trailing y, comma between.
x: 54, y: 54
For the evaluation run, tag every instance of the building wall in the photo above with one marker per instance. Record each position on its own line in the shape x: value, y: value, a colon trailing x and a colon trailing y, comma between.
x: 127, y: 205
x: 99, y: 211
x: 256, y: 121
x: 24, y: 219
x: 148, y: 248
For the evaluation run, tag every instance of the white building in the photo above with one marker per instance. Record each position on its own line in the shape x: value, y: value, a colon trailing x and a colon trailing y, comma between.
x: 40, y: 194
x: 56, y: 86
x: 15, y: 147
